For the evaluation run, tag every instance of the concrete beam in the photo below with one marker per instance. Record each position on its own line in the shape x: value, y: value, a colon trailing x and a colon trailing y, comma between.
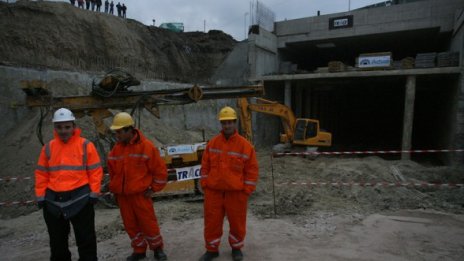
x: 412, y: 16
x: 357, y: 74
x: 410, y: 96
x: 299, y: 101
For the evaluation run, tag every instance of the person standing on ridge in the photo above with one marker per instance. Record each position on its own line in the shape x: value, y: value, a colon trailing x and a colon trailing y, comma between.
x: 106, y: 6
x: 112, y: 8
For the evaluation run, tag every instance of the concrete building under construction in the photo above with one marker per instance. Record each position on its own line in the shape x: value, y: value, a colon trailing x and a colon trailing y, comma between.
x: 415, y: 101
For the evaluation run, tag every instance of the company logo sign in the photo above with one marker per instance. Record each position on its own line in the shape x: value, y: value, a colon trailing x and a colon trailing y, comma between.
x: 374, y: 61
x: 341, y: 22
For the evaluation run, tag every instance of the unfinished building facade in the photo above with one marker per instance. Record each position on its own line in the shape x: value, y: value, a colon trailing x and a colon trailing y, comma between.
x: 414, y: 101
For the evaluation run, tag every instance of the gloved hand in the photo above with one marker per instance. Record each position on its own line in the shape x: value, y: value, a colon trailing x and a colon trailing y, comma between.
x: 40, y: 204
x: 93, y: 200
x: 148, y: 193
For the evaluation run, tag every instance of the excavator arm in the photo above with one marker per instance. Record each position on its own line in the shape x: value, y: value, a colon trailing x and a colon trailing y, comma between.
x: 301, y: 131
x: 268, y: 107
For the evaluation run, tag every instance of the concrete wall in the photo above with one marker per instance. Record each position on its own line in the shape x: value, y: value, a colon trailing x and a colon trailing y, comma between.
x: 457, y: 125
x: 234, y: 70
x: 266, y: 133
x: 11, y: 93
x: 262, y: 53
x: 411, y: 16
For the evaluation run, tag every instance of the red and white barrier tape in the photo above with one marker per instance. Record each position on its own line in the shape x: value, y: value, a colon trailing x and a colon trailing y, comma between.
x: 8, y: 179
x: 27, y: 202
x: 361, y: 152
x: 12, y: 203
x: 375, y: 184
x: 318, y: 184
x: 366, y: 152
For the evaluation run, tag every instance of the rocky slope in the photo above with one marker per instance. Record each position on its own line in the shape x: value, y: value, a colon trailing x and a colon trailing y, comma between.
x: 59, y: 36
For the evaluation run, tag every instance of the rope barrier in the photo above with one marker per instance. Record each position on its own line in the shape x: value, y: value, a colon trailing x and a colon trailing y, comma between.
x: 8, y: 179
x: 365, y: 152
x: 375, y: 184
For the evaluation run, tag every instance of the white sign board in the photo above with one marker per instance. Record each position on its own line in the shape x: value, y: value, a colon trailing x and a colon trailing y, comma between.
x: 340, y: 22
x: 188, y: 173
x: 374, y: 61
x: 180, y: 149
x: 184, y: 149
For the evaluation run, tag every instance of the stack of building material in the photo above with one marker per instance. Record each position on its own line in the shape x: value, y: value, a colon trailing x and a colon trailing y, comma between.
x: 447, y: 59
x: 425, y: 60
x: 336, y: 66
x: 407, y: 63
x: 322, y: 70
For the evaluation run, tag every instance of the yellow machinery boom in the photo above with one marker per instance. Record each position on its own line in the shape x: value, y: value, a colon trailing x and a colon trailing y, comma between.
x: 297, y: 131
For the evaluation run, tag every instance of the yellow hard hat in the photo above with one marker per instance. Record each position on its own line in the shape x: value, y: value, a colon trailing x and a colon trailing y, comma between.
x: 122, y: 120
x: 227, y: 113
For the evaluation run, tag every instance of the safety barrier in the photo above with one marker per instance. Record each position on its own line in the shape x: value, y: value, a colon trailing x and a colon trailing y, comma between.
x: 361, y: 184
x: 375, y: 184
x: 362, y: 152
x: 9, y: 179
x: 309, y: 183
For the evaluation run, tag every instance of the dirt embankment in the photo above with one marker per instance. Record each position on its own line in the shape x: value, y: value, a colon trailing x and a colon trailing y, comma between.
x: 59, y: 36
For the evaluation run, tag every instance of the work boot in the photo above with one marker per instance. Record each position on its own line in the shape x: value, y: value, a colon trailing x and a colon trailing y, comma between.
x: 208, y: 256
x: 136, y: 256
x: 237, y: 255
x: 160, y: 255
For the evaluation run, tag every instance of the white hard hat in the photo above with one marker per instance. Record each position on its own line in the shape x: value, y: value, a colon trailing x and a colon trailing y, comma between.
x: 62, y: 115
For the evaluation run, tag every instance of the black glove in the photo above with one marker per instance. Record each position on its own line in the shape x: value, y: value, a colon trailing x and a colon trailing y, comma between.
x: 93, y: 200
x: 40, y: 204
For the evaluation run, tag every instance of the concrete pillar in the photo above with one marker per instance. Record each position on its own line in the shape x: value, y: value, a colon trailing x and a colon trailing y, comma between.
x: 457, y: 159
x: 410, y: 95
x: 307, y: 102
x: 299, y: 101
x: 288, y: 94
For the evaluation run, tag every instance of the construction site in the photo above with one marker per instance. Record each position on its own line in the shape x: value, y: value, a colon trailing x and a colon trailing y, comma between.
x: 339, y: 108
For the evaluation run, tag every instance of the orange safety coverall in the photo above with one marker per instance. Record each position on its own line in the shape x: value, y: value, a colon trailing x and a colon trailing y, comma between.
x: 229, y: 173
x: 67, y: 166
x: 134, y: 168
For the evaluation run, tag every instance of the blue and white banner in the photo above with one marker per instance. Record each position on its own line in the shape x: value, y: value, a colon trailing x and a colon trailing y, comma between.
x: 188, y: 173
x: 374, y: 61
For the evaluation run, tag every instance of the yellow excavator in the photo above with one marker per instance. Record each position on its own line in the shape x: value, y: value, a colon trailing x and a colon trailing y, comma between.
x: 298, y: 131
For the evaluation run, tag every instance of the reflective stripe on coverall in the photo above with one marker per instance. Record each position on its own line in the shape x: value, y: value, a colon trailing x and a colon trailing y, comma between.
x: 65, y: 176
x: 67, y: 166
x: 229, y: 175
x: 134, y: 168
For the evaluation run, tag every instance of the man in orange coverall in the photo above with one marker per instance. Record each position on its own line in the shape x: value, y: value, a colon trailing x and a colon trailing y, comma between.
x: 67, y: 185
x: 229, y: 173
x: 136, y: 172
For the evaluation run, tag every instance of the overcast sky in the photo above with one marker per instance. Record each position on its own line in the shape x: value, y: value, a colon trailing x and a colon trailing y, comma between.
x: 228, y: 15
